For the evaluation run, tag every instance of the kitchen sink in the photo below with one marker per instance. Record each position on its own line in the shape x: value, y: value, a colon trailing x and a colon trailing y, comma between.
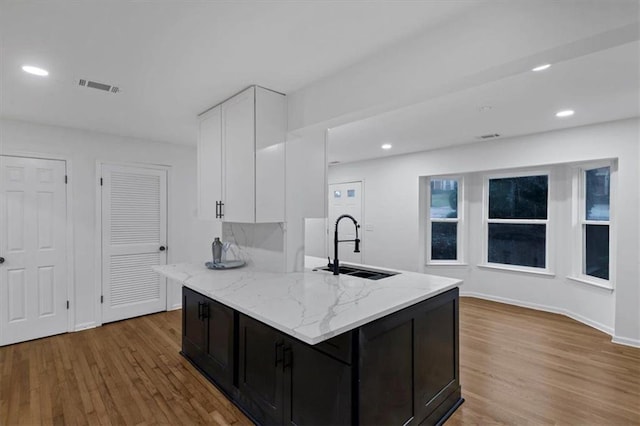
x: 356, y: 271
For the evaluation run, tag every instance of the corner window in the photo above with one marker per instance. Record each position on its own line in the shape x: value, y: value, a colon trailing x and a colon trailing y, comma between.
x: 445, y: 221
x: 517, y: 219
x: 595, y: 219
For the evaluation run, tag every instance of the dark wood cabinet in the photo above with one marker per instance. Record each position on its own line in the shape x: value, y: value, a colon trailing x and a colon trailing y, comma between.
x: 283, y: 381
x: 397, y: 370
x: 208, y: 333
x: 260, y: 370
x: 436, y: 357
x: 409, y: 364
x: 386, y: 374
x: 317, y: 388
x: 193, y: 327
x: 219, y: 354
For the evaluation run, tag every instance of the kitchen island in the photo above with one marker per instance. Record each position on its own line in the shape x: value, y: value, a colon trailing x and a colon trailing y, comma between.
x: 314, y: 348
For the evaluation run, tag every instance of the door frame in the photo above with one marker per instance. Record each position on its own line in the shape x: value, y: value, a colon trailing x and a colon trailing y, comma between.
x: 329, y: 237
x: 71, y: 312
x: 98, y: 227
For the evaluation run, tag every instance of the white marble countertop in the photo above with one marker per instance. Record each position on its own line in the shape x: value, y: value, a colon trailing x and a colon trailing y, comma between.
x: 311, y: 306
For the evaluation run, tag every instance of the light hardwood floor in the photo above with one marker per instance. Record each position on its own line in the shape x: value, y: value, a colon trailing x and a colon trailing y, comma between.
x: 518, y: 366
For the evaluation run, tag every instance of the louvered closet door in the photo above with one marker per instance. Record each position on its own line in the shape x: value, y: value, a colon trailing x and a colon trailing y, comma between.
x: 134, y: 233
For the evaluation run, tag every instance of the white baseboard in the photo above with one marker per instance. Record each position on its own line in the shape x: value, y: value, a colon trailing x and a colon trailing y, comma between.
x: 598, y: 326
x: 85, y: 326
x: 544, y: 308
x: 175, y: 307
x: 635, y: 343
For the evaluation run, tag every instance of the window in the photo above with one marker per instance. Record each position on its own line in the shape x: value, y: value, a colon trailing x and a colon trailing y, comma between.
x: 444, y: 221
x: 594, y: 221
x: 517, y: 221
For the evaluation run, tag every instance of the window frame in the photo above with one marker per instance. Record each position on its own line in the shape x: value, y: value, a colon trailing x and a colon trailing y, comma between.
x: 460, y: 220
x: 548, y: 222
x: 579, y: 222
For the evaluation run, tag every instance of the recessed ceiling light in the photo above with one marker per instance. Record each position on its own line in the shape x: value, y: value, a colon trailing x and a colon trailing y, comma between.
x: 565, y: 113
x: 386, y: 146
x: 35, y: 70
x: 541, y: 67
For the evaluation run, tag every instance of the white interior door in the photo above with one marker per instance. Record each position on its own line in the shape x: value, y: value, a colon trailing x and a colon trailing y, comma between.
x: 345, y: 198
x: 134, y: 235
x: 33, y: 275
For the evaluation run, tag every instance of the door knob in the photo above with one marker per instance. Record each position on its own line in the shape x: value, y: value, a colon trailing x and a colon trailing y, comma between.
x: 1, y: 259
x: 162, y: 248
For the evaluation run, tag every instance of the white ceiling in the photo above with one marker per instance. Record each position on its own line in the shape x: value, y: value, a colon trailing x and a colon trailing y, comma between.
x: 173, y: 59
x: 601, y: 86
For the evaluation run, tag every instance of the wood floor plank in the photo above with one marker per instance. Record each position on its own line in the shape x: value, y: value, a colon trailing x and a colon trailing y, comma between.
x: 520, y: 366
x: 517, y: 366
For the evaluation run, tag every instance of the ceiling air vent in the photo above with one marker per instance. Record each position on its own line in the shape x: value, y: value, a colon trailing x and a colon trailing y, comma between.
x: 99, y: 86
x: 489, y: 136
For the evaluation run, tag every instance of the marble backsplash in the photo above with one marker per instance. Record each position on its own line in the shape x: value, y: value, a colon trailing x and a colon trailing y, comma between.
x: 261, y: 245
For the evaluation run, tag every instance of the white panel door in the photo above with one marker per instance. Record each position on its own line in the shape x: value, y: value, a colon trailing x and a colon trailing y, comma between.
x: 238, y: 127
x: 345, y: 198
x: 33, y: 276
x: 210, y: 164
x: 134, y: 235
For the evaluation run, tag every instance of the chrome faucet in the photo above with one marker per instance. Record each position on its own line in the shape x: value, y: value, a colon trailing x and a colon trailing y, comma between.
x: 336, y: 262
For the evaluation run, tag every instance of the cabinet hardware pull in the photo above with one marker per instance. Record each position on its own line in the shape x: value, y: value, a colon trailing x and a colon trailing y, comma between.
x: 287, y: 355
x: 219, y: 210
x: 279, y: 357
x: 205, y: 310
x: 200, y: 305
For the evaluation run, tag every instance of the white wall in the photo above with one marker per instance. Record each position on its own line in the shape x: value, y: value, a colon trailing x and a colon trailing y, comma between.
x: 306, y: 190
x: 188, y: 238
x: 315, y: 237
x: 392, y: 211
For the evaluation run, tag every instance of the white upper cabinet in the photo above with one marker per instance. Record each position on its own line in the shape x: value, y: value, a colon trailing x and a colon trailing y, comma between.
x: 238, y: 133
x: 250, y: 158
x: 209, y: 163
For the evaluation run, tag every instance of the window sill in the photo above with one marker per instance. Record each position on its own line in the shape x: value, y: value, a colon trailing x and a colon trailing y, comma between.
x: 603, y: 285
x: 516, y: 269
x: 447, y: 264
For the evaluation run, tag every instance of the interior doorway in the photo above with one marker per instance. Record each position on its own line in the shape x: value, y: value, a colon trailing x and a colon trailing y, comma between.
x: 134, y: 238
x: 346, y: 198
x: 33, y: 249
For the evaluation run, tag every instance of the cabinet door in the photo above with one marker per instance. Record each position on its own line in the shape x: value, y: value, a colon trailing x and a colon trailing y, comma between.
x: 386, y: 372
x: 260, y: 372
x: 193, y: 327
x: 436, y: 355
x: 209, y: 163
x: 238, y: 126
x: 317, y: 387
x: 271, y: 129
x: 218, y: 360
